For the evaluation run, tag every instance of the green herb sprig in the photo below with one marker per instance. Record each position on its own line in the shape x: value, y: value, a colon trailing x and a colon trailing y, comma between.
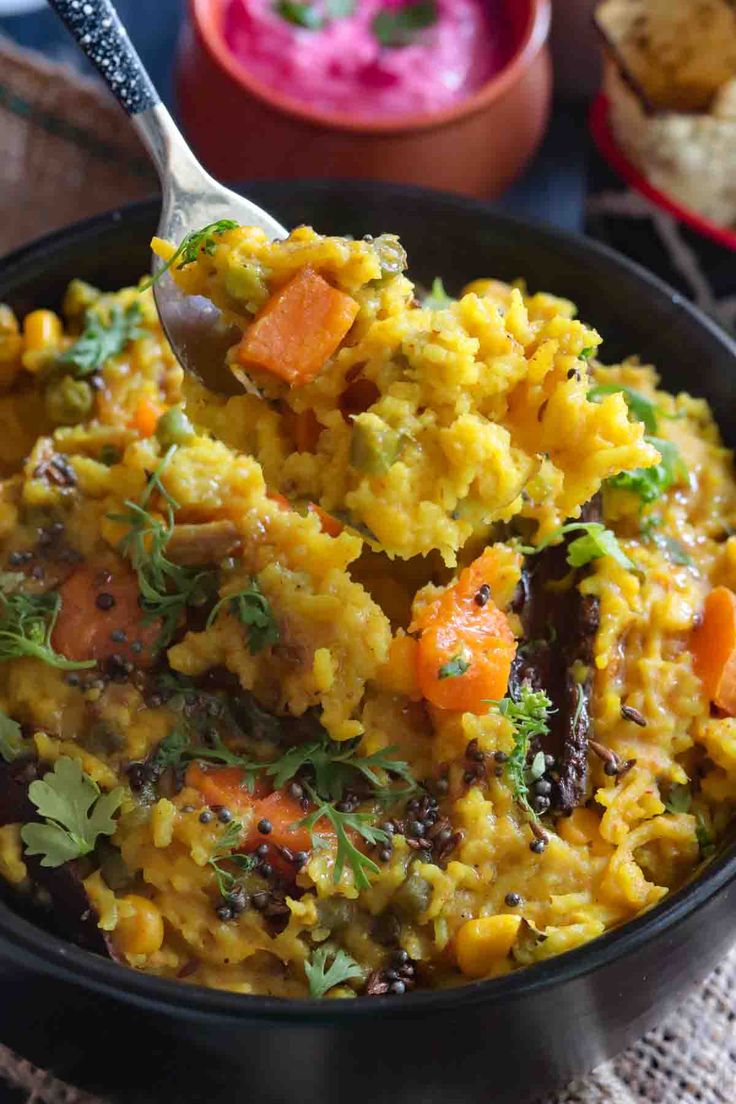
x: 322, y: 978
x: 225, y: 851
x: 596, y: 541
x: 102, y: 338
x: 12, y: 744
x: 679, y: 798
x: 253, y: 610
x: 27, y: 624
x: 341, y: 823
x: 395, y: 27
x: 75, y: 813
x: 198, y: 241
x: 529, y: 717
x: 336, y: 767
x: 167, y: 589
x: 454, y: 667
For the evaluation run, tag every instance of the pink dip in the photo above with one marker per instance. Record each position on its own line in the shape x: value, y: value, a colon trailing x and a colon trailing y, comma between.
x: 342, y: 67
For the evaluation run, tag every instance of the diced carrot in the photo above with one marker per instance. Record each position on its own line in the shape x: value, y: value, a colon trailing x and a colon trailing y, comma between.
x: 298, y: 329
x: 713, y: 645
x: 147, y: 414
x: 95, y: 603
x: 226, y: 786
x: 330, y: 524
x: 466, y: 646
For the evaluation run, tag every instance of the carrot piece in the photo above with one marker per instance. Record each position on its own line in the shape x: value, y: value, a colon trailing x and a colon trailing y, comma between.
x: 465, y: 649
x: 713, y: 644
x: 330, y: 524
x: 94, y: 604
x: 225, y: 786
x: 299, y: 327
x: 147, y: 414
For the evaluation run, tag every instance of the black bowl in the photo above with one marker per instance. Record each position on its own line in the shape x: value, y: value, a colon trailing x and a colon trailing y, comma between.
x: 139, y: 1038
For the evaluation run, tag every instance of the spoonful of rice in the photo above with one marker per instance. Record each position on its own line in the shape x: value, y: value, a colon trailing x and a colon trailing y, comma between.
x: 195, y: 208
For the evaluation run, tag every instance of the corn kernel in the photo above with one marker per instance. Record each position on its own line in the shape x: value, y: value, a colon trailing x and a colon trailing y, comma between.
x: 481, y: 944
x: 142, y: 933
x: 42, y: 329
x: 323, y: 669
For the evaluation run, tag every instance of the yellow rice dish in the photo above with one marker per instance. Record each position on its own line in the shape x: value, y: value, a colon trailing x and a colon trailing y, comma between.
x: 409, y: 661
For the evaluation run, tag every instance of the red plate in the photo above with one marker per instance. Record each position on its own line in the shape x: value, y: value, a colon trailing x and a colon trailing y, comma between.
x: 603, y: 137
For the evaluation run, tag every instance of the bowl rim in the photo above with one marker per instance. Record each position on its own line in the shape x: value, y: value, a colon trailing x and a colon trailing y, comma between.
x: 30, y: 945
x: 599, y: 123
x: 206, y: 25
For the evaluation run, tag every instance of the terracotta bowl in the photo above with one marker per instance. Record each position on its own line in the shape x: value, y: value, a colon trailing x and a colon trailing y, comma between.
x: 241, y: 129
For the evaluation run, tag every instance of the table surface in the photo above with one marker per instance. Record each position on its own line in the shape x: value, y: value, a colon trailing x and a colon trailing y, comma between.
x: 552, y: 189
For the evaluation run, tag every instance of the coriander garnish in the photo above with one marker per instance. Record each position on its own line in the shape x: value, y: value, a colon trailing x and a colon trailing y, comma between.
x: 529, y: 718
x: 595, y: 542
x: 74, y: 811
x: 26, y: 626
x: 322, y: 978
x: 199, y: 241
x: 102, y: 338
x: 401, y: 26
x: 253, y: 610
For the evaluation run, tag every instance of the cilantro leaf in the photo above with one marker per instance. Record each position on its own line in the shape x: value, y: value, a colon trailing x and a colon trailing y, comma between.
x: 166, y: 588
x: 253, y: 610
x: 12, y: 743
x: 26, y: 626
x: 438, y: 298
x: 640, y: 405
x: 679, y: 799
x: 587, y: 353
x: 650, y: 483
x: 198, y: 241
x: 218, y: 752
x: 336, y: 767
x: 225, y: 851
x: 75, y: 812
x: 595, y: 542
x: 102, y: 338
x: 529, y: 718
x: 454, y: 667
x: 395, y: 27
x: 347, y: 852
x: 299, y: 13
x: 322, y: 978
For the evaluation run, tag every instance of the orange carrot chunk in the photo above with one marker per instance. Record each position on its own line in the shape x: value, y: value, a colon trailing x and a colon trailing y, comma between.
x: 95, y: 604
x: 713, y: 644
x: 147, y: 414
x: 298, y: 329
x: 466, y: 646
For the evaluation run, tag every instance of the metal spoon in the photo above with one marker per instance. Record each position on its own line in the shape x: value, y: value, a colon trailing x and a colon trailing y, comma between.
x: 191, y: 198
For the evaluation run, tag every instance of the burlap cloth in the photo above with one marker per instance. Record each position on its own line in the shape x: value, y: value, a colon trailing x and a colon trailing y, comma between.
x: 66, y: 152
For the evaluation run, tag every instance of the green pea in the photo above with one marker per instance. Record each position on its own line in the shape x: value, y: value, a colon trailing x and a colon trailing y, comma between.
x: 244, y: 283
x: 374, y: 446
x: 68, y: 400
x: 174, y: 428
x: 413, y: 897
x: 110, y: 454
